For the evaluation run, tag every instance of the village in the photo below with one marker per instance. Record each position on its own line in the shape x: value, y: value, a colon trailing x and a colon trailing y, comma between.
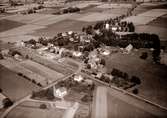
x: 63, y: 61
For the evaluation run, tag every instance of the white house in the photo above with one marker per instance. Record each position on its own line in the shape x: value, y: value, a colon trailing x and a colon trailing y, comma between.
x: 77, y: 54
x: 59, y: 92
x: 78, y: 78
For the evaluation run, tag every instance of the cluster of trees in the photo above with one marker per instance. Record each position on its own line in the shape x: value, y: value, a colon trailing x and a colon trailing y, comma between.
x: 43, y: 94
x: 1, y: 56
x: 2, y: 10
x: 116, y: 22
x: 6, y: 102
x: 69, y: 10
x: 14, y: 52
x: 142, y: 40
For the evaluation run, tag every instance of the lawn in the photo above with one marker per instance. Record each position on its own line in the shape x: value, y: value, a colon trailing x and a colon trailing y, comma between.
x: 14, y: 86
x: 153, y: 77
x: 8, y: 24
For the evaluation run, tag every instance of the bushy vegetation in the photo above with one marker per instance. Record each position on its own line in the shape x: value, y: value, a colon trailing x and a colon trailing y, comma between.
x: 7, y: 102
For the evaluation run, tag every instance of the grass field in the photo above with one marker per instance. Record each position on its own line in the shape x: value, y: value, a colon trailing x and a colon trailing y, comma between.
x: 8, y: 24
x: 14, y: 86
x: 153, y: 77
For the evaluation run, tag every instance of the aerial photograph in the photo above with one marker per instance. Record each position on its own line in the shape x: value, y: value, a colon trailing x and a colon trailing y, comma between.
x: 83, y: 58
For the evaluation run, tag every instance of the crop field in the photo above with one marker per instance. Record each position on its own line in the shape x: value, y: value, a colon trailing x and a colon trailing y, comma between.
x: 153, y: 77
x: 25, y: 29
x: 62, y: 26
x: 27, y: 18
x: 124, y: 106
x: 14, y: 86
x: 41, y: 70
x: 160, y: 22
x: 18, y: 68
x: 97, y: 17
x: 35, y: 112
x: 161, y: 31
x: 18, y: 38
x: 8, y: 24
x: 115, y: 6
x: 146, y: 17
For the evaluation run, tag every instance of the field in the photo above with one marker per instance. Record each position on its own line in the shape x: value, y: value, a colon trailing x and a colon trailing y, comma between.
x: 161, y: 31
x: 14, y: 86
x: 62, y: 26
x: 33, y: 111
x: 124, y: 106
x: 146, y: 17
x: 41, y: 70
x: 96, y: 16
x: 160, y: 22
x: 153, y: 77
x: 8, y: 24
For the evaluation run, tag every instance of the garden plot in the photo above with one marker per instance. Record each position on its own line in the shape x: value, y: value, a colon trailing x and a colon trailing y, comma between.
x: 114, y: 6
x: 41, y: 70
x: 97, y: 17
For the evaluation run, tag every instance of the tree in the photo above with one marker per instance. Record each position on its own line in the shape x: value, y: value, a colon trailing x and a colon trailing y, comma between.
x: 135, y: 91
x: 43, y: 106
x: 0, y: 90
x: 7, y: 102
x: 32, y: 41
x: 1, y: 56
x: 88, y: 66
x: 144, y: 55
x: 103, y: 62
x: 135, y: 80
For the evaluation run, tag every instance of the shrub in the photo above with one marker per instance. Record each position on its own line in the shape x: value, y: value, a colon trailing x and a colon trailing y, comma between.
x: 43, y: 106
x: 135, y: 91
x: 144, y: 55
x: 1, y: 56
x: 0, y: 90
x: 7, y: 102
x: 135, y: 80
